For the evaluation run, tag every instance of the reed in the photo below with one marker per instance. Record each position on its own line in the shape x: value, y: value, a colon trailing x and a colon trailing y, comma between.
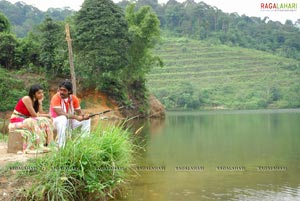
x: 88, y: 168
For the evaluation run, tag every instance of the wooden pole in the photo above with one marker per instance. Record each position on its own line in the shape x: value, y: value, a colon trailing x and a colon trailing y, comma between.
x: 69, y: 41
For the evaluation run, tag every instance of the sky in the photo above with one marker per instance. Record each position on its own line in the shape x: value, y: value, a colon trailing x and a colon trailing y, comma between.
x: 249, y: 8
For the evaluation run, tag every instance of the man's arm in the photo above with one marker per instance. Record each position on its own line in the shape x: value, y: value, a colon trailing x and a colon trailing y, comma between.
x: 60, y: 112
x: 79, y: 112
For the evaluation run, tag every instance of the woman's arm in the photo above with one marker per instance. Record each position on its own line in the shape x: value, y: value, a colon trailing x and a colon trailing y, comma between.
x: 41, y: 112
x: 29, y: 105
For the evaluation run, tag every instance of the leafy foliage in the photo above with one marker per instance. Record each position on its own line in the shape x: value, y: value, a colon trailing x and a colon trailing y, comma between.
x: 29, y: 53
x: 144, y: 31
x: 8, y: 44
x: 24, y: 18
x: 4, y: 23
x: 101, y: 42
x: 53, y: 47
x: 14, y: 86
x: 201, y: 21
x: 10, y: 89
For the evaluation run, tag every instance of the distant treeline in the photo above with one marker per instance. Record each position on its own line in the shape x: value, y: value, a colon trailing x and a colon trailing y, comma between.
x: 201, y: 21
x: 25, y: 17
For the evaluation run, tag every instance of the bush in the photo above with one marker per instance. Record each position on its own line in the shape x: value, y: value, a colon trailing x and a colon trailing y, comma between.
x: 11, y: 91
x: 86, y: 169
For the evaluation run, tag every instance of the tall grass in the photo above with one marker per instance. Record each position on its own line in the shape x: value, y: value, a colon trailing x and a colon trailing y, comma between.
x: 89, y: 168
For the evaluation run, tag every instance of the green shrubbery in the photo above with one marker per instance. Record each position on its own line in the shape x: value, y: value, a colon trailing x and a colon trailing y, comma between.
x: 88, y: 168
x: 12, y: 87
x: 11, y: 91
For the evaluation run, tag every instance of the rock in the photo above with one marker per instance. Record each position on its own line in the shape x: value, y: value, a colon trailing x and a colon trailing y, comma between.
x: 157, y: 110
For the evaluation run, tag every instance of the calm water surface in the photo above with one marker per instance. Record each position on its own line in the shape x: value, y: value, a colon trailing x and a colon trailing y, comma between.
x: 239, y: 155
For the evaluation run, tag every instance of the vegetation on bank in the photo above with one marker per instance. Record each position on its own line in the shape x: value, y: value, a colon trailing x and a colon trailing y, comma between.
x: 89, y: 168
x: 105, y: 43
x: 209, y: 75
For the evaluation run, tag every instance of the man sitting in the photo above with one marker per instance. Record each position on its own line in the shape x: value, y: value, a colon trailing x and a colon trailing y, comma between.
x: 66, y: 113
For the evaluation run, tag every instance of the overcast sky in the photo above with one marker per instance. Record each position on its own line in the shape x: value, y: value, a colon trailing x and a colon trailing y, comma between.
x: 249, y: 8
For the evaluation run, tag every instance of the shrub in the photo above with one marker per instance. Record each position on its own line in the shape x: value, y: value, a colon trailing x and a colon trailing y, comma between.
x: 11, y: 90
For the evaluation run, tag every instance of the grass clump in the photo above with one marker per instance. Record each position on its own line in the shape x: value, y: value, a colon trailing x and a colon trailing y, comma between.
x: 88, y: 168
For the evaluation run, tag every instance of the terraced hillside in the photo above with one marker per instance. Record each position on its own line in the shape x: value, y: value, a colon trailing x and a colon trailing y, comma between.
x: 206, y: 76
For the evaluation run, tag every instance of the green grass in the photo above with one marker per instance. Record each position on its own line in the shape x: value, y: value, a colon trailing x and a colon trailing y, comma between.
x: 200, y: 75
x: 89, y: 168
x: 3, y: 137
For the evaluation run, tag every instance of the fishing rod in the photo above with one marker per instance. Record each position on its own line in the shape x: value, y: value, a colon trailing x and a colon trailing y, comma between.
x: 106, y: 111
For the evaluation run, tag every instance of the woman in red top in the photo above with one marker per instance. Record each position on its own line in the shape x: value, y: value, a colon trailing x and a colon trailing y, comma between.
x: 29, y: 118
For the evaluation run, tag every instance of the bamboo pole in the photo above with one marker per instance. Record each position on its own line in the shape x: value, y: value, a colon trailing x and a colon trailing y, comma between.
x: 69, y: 41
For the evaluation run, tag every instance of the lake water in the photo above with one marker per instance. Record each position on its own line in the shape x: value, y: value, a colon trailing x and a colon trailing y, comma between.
x: 238, y: 155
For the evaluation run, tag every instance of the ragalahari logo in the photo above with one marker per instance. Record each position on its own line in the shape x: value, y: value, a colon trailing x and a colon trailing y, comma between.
x: 284, y: 6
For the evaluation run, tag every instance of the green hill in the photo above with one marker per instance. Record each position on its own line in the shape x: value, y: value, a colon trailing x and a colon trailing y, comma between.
x: 202, y: 75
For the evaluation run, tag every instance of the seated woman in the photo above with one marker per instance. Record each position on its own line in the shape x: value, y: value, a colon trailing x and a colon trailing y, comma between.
x: 33, y: 123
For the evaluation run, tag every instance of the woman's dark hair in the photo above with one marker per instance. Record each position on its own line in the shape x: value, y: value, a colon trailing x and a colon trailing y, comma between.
x: 67, y: 84
x: 33, y: 89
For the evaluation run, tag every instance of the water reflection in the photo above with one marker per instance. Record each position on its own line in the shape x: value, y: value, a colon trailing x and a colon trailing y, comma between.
x: 278, y: 193
x: 263, y: 144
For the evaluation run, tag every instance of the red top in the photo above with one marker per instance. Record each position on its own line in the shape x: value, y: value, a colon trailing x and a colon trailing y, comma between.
x: 24, y: 113
x: 20, y: 107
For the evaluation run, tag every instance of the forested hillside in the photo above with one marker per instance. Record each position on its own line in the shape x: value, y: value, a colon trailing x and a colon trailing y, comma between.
x: 200, y: 74
x: 201, y: 21
x: 25, y: 17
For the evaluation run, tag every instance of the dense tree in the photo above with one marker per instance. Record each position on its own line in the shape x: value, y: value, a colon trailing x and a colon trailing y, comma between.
x: 8, y: 44
x: 144, y: 32
x: 101, y: 44
x: 53, y: 46
x: 29, y: 49
x: 4, y: 24
x: 174, y: 15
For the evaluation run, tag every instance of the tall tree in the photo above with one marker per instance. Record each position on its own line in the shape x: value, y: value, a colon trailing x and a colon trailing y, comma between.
x: 51, y: 39
x: 29, y: 50
x: 4, y: 23
x: 101, y: 44
x: 8, y: 44
x: 145, y: 33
